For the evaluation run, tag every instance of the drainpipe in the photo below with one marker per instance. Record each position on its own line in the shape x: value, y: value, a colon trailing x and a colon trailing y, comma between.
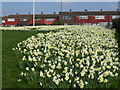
x: 108, y: 20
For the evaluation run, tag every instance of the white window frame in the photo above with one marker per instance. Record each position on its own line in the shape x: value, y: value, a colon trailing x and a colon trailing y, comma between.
x: 3, y: 21
x: 50, y: 19
x: 66, y: 17
x: 99, y: 17
x: 82, y: 17
x: 23, y: 19
x: 10, y: 19
x: 37, y: 19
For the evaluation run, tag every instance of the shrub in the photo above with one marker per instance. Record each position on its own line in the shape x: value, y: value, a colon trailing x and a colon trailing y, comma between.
x: 116, y: 24
x: 57, y: 23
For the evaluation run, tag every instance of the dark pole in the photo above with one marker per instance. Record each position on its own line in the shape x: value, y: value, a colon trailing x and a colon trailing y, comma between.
x: 92, y: 19
x: 108, y: 20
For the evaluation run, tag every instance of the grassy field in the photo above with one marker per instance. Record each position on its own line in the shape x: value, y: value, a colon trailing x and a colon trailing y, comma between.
x: 10, y: 63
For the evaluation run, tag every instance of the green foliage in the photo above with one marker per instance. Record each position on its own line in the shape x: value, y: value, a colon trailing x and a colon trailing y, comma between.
x: 116, y: 24
x: 117, y: 36
x: 57, y: 23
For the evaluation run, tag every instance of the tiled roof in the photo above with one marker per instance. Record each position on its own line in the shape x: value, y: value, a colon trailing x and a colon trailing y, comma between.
x: 94, y: 12
x: 30, y: 16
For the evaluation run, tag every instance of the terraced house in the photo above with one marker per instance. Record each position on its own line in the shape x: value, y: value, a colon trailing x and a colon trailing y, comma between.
x: 70, y: 18
x: 89, y: 17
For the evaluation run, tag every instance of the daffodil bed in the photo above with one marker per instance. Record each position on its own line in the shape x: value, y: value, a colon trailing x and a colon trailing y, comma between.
x: 78, y: 56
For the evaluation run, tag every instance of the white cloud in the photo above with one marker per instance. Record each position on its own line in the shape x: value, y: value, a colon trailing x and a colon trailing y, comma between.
x: 60, y: 0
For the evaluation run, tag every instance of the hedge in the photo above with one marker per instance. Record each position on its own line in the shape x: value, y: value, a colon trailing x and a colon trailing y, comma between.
x: 116, y: 24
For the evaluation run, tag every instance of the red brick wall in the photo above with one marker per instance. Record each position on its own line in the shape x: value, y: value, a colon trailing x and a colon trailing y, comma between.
x: 91, y: 19
x: 12, y: 22
x: 44, y: 21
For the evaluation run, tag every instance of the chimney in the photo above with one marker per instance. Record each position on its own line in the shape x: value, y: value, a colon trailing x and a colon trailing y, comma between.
x: 41, y: 12
x: 70, y: 10
x: 100, y: 9
x: 86, y: 10
x: 54, y: 12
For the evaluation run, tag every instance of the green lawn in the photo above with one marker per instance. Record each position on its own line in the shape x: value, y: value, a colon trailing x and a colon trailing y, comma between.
x: 10, y: 70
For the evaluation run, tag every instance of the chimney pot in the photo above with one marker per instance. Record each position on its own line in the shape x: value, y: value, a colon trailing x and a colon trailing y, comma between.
x: 41, y: 12
x: 100, y: 9
x: 86, y: 10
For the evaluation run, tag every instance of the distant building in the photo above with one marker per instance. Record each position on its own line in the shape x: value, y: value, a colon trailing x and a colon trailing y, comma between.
x: 70, y: 18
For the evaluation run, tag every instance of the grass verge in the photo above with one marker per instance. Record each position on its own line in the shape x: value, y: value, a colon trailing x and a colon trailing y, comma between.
x: 10, y: 68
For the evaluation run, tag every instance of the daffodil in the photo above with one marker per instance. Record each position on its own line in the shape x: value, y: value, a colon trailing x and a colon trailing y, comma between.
x: 72, y: 54
x: 33, y: 69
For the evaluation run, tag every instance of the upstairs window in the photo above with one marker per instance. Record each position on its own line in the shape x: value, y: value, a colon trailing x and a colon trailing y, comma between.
x: 50, y: 19
x: 66, y: 17
x: 37, y: 19
x: 99, y: 17
x: 83, y: 17
x: 11, y: 19
x: 24, y: 19
x: 3, y: 21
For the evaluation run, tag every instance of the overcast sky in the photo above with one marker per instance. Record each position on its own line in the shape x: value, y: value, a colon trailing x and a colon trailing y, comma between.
x: 60, y: 0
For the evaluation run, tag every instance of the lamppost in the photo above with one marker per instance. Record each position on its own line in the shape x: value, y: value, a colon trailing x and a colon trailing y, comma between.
x: 0, y: 13
x: 33, y: 12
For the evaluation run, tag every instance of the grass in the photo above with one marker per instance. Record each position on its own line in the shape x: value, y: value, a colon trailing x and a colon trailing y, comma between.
x: 10, y: 70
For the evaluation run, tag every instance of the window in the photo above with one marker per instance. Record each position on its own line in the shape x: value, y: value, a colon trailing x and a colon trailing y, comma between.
x: 99, y: 17
x: 37, y: 19
x: 11, y: 19
x: 83, y: 17
x: 50, y: 19
x: 113, y: 17
x: 3, y: 21
x: 66, y: 17
x: 24, y: 19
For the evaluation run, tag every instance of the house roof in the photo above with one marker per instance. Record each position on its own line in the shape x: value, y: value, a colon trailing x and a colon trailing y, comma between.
x: 37, y: 16
x: 4, y: 17
x: 28, y: 16
x: 93, y: 13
